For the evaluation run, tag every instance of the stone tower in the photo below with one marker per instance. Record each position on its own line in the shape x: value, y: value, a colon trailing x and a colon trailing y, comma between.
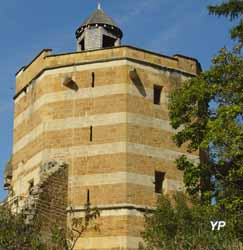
x: 95, y: 122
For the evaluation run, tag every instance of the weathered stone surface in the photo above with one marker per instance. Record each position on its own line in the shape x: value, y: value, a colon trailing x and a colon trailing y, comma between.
x: 107, y: 137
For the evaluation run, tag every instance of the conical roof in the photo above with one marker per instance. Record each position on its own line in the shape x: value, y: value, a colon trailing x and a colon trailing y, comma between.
x: 99, y: 17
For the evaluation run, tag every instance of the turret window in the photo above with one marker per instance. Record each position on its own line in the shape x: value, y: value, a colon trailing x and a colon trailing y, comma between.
x: 82, y: 45
x: 108, y: 41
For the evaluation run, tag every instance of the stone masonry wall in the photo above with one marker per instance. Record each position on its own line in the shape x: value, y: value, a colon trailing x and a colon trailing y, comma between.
x: 108, y: 130
x: 52, y: 201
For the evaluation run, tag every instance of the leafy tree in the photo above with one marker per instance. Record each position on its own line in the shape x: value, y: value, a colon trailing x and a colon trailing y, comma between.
x: 209, y: 111
x: 178, y: 224
x: 15, y: 234
x: 232, y: 9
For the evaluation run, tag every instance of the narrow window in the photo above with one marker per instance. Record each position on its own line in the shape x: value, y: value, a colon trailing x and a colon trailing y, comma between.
x: 93, y: 79
x: 31, y: 186
x: 81, y: 44
x: 88, y: 197
x: 91, y: 133
x: 157, y: 94
x: 159, y: 179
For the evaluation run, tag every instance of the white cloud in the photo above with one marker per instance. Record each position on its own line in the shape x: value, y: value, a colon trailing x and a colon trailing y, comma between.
x: 137, y: 9
x: 180, y: 23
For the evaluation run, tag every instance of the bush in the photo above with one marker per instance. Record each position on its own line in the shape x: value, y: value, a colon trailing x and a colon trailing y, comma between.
x: 180, y: 224
x: 15, y: 234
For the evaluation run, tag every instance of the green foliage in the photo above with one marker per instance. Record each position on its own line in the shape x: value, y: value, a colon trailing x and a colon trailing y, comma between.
x: 208, y: 109
x: 192, y: 177
x: 176, y: 225
x: 232, y: 9
x: 15, y: 234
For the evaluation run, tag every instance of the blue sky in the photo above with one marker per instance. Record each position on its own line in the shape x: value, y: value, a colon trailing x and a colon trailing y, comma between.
x: 168, y: 27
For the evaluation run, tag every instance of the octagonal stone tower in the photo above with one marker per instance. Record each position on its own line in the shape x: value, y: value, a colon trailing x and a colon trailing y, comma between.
x: 102, y: 112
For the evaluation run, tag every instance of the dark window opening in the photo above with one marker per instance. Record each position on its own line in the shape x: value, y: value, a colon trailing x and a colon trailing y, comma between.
x: 91, y: 133
x: 157, y: 94
x: 31, y: 186
x: 82, y: 44
x: 159, y: 179
x: 93, y: 79
x: 108, y: 41
x: 88, y: 197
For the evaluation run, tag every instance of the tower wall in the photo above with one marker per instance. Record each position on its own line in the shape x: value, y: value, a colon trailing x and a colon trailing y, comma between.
x: 108, y: 131
x: 92, y: 38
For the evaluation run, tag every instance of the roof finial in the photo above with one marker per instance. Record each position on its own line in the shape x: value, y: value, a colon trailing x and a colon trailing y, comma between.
x: 99, y: 6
